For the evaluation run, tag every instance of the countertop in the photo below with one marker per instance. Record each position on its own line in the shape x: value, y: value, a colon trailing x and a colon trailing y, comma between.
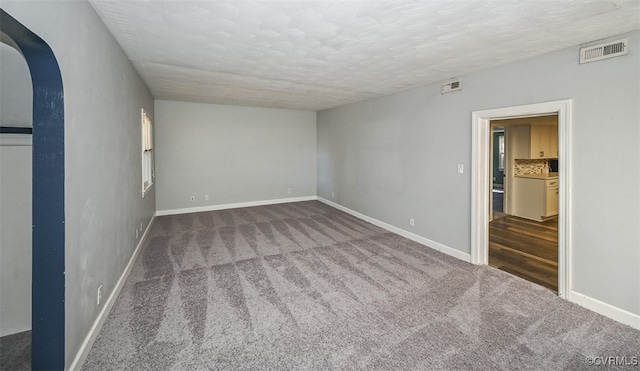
x: 539, y: 176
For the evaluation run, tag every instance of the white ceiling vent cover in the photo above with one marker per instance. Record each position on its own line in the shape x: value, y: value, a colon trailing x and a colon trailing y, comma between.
x: 450, y: 86
x: 603, y: 51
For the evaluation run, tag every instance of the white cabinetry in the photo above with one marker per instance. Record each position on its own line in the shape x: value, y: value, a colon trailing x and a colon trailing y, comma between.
x: 535, y: 198
x: 551, y: 201
x: 535, y: 142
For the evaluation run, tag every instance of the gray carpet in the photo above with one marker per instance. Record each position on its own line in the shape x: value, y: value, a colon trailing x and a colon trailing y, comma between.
x: 305, y: 286
x: 15, y: 351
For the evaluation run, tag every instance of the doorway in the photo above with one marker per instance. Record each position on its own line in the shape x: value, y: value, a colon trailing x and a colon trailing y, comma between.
x: 523, y: 237
x: 15, y: 213
x: 498, y: 161
x: 482, y: 183
x: 48, y: 201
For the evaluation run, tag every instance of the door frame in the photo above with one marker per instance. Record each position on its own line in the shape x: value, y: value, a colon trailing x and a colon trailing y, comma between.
x: 492, y: 145
x: 480, y: 181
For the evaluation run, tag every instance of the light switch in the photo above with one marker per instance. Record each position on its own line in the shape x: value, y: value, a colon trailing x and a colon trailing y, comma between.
x: 460, y: 168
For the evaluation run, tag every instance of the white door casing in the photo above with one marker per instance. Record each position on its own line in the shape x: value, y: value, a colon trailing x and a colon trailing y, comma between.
x: 481, y: 181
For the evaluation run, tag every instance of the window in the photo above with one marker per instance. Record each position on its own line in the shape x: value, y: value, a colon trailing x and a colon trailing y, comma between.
x: 501, y: 152
x: 147, y: 153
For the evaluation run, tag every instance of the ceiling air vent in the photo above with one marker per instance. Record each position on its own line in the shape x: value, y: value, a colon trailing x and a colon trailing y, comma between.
x: 603, y: 51
x: 450, y: 86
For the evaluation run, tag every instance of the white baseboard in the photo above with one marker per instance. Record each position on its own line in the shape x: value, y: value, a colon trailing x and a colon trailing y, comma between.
x: 606, y: 310
x: 16, y: 330
x: 590, y: 303
x: 412, y: 236
x: 83, y: 352
x: 200, y: 209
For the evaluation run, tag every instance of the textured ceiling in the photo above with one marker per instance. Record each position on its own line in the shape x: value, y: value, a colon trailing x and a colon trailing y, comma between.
x: 314, y: 55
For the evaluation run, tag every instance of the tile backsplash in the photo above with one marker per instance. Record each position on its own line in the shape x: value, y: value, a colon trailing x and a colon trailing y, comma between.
x: 522, y: 167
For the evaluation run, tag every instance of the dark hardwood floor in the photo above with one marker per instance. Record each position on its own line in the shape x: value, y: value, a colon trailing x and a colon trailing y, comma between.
x: 525, y: 248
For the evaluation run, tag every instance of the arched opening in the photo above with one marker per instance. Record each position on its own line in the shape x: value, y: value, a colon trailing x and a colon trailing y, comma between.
x: 48, y: 235
x: 16, y: 98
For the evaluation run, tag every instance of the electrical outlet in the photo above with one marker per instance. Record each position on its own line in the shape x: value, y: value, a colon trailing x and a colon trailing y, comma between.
x: 206, y: 197
x: 193, y: 198
x: 288, y: 190
x: 412, y: 222
x: 460, y: 168
x: 333, y: 195
x: 99, y: 294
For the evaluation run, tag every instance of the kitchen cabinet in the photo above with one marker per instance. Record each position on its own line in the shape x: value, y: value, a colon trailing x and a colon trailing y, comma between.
x: 535, y: 142
x: 551, y: 201
x: 544, y: 144
x: 535, y: 197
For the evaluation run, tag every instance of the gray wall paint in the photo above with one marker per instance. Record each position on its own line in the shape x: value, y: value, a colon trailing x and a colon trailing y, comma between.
x: 232, y: 153
x: 15, y: 239
x: 395, y: 157
x: 16, y: 97
x: 103, y: 97
x: 16, y: 93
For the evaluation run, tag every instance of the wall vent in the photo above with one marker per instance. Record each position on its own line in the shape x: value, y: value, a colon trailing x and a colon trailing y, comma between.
x: 450, y: 86
x: 603, y: 51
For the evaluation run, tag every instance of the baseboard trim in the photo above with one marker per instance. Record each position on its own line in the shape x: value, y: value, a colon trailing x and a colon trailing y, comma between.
x: 199, y: 209
x: 583, y: 300
x: 412, y: 236
x: 607, y: 310
x: 83, y: 352
x: 595, y: 305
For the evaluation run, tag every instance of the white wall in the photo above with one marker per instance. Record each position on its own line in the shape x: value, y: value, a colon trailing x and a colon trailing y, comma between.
x: 103, y: 96
x: 232, y: 153
x: 16, y: 97
x: 15, y: 238
x: 16, y: 93
x: 396, y: 157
